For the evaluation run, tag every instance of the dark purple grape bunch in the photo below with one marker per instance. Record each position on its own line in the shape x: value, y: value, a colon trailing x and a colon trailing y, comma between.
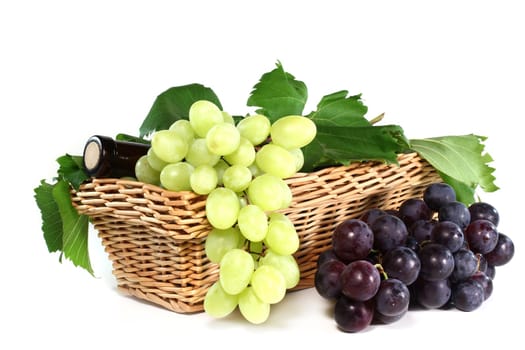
x: 431, y: 252
x: 349, y: 273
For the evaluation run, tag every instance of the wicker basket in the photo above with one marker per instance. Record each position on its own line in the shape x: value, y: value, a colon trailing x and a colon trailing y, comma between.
x: 155, y: 238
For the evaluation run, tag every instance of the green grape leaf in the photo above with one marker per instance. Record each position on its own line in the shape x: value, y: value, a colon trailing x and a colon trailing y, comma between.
x: 74, y: 227
x: 278, y: 94
x: 71, y: 169
x: 131, y: 138
x: 174, y: 104
x: 461, y: 158
x: 51, y: 220
x: 337, y: 109
x: 335, y: 145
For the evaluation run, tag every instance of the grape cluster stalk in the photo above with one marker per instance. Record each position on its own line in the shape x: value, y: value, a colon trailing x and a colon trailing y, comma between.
x: 241, y: 169
x: 431, y: 252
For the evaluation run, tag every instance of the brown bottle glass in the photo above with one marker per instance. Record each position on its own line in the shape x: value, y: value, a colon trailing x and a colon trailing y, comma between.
x: 106, y: 157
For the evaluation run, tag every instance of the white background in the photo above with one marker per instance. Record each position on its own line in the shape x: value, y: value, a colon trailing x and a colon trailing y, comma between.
x: 70, y: 69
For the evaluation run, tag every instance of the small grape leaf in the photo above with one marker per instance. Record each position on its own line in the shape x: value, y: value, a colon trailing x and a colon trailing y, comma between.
x: 337, y: 109
x: 278, y: 94
x: 174, y: 104
x: 336, y: 145
x: 131, y: 138
x: 459, y: 157
x: 71, y: 169
x: 51, y: 220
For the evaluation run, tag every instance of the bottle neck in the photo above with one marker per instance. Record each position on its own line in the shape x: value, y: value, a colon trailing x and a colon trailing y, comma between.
x: 106, y: 157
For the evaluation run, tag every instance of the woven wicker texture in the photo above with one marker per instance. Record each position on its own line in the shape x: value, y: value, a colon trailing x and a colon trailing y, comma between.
x: 155, y: 238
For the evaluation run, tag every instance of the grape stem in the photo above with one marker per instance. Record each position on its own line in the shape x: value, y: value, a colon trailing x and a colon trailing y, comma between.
x: 381, y: 270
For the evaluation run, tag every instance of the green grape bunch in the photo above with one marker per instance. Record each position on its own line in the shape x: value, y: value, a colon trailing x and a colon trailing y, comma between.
x: 241, y: 169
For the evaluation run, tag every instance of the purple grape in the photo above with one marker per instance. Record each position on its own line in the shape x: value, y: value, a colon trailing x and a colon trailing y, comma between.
x: 325, y: 256
x: 352, y: 315
x: 360, y: 280
x: 327, y: 279
x: 389, y: 232
x: 465, y: 264
x: 437, y: 262
x: 352, y: 240
x: 437, y: 194
x: 392, y: 298
x: 432, y: 294
x: 490, y: 272
x: 502, y: 252
x: 485, y: 211
x: 485, y: 282
x: 448, y: 234
x: 456, y: 212
x: 482, y: 236
x: 402, y: 263
x: 412, y: 244
x: 414, y: 209
x: 422, y: 229
x: 383, y: 319
x: 468, y: 295
x: 371, y: 214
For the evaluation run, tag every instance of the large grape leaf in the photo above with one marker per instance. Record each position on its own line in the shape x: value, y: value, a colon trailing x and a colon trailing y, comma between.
x: 337, y: 109
x: 174, y: 104
x: 74, y: 227
x: 335, y: 145
x: 51, y: 220
x: 278, y: 94
x: 461, y: 158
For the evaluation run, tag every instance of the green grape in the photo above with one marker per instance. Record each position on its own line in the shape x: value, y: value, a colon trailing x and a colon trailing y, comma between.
x: 199, y: 154
x: 279, y: 216
x: 220, y: 168
x: 256, y: 249
x: 275, y: 160
x: 268, y: 192
x: 254, y: 169
x: 298, y: 155
x: 223, y: 139
x: 268, y: 284
x: 154, y: 161
x: 219, y: 242
x: 218, y: 303
x: 203, y: 179
x: 237, y: 178
x: 287, y: 196
x: 235, y: 270
x: 252, y: 308
x: 222, y: 208
x: 255, y: 128
x: 203, y: 115
x: 227, y: 118
x: 176, y: 176
x: 184, y: 129
x: 286, y: 264
x: 253, y: 223
x: 243, y: 201
x: 145, y: 173
x: 243, y: 155
x: 282, y: 237
x: 169, y: 146
x: 293, y: 131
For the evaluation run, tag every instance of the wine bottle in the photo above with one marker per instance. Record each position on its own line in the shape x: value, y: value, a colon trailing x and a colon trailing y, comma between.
x: 106, y: 157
